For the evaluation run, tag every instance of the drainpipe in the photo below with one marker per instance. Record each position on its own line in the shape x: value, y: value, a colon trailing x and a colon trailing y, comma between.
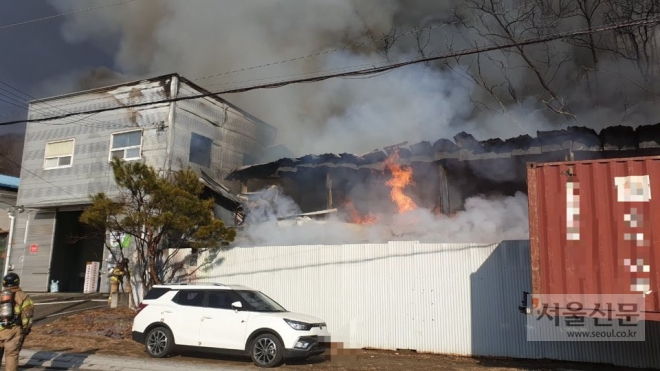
x: 12, y: 225
x: 174, y: 92
x: 12, y: 221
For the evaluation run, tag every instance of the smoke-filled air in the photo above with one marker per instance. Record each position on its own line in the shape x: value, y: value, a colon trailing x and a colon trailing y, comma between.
x: 483, y: 221
x: 595, y: 81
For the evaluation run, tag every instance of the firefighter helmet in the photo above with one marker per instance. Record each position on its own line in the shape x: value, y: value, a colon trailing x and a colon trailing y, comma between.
x: 11, y: 280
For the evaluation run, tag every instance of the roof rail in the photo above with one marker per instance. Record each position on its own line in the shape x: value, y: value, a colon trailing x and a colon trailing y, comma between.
x: 193, y: 284
x: 171, y: 284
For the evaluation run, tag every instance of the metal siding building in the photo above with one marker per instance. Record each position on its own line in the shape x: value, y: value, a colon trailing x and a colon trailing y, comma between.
x: 238, y: 138
x: 438, y: 298
x: 79, y: 169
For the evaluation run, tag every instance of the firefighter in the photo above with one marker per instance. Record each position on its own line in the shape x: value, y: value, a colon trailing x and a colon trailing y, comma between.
x: 17, y: 324
x: 117, y: 277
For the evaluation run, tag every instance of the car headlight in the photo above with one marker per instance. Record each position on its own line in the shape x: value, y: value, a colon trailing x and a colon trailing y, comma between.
x: 300, y: 326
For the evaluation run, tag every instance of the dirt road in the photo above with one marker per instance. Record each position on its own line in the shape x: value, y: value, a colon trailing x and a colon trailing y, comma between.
x: 49, y: 307
x: 108, y: 332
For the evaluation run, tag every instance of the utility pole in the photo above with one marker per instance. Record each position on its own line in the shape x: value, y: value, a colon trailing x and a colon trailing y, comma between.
x: 12, y: 217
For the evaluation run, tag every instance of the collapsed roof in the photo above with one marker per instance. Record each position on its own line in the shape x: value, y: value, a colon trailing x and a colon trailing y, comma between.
x: 466, y: 148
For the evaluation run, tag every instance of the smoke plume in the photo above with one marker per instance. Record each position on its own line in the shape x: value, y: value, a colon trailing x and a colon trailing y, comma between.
x: 484, y: 220
x: 608, y: 79
x: 496, y: 94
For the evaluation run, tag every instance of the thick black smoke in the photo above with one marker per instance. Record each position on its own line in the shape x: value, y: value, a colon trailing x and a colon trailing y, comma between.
x: 600, y: 81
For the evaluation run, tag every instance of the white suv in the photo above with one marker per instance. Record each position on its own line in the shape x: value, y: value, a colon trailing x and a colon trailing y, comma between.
x: 229, y: 319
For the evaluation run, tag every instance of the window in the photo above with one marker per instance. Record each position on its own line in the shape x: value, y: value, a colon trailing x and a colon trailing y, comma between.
x: 126, y: 145
x: 200, y: 150
x: 58, y: 154
x: 191, y: 298
x: 259, y: 302
x: 221, y: 299
x: 249, y: 160
x: 156, y: 293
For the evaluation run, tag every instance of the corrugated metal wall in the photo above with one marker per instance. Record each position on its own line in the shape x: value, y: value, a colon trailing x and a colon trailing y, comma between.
x: 440, y: 298
x: 90, y: 172
x: 33, y: 268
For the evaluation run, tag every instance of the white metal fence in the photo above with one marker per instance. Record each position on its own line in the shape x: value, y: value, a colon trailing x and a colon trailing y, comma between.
x: 440, y: 298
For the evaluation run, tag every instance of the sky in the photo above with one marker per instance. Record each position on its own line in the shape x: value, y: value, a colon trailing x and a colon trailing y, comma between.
x: 546, y: 87
x: 36, y: 52
x: 223, y: 38
x: 196, y: 38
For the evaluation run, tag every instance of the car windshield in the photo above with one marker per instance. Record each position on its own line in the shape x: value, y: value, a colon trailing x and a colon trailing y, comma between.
x: 260, y: 302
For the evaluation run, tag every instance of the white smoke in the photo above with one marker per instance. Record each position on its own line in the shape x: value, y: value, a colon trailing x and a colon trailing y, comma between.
x: 414, y: 103
x: 199, y: 38
x: 355, y: 115
x: 483, y: 220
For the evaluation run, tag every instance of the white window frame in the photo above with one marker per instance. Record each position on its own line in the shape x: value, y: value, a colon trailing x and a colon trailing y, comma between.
x: 58, y: 157
x: 112, y: 136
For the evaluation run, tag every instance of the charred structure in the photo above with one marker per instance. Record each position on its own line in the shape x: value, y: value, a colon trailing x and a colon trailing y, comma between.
x: 443, y: 174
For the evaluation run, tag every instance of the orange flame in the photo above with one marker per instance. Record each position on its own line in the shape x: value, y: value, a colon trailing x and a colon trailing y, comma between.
x: 401, y: 177
x: 356, y: 217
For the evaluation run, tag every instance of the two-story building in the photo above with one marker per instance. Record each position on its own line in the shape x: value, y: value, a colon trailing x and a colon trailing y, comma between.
x: 65, y: 160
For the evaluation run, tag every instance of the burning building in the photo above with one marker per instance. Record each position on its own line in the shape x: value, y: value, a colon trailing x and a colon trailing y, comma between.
x: 437, y: 176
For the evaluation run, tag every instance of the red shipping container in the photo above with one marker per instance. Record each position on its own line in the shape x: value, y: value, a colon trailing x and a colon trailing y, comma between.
x: 593, y: 228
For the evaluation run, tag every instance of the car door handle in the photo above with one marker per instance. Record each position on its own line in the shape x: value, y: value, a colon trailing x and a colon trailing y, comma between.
x: 207, y: 317
x: 166, y: 311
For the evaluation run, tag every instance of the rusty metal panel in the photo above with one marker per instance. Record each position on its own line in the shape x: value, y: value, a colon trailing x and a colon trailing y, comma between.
x: 593, y: 227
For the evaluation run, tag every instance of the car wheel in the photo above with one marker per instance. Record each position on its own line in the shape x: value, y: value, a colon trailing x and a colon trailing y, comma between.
x: 159, y: 342
x: 267, y: 351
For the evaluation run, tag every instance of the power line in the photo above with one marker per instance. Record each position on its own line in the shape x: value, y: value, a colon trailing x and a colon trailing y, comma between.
x: 37, y: 176
x: 371, y: 41
x: 15, y: 89
x: 13, y: 104
x: 91, y: 121
x: 62, y: 14
x: 367, y: 71
x: 41, y: 110
x: 20, y: 165
x: 357, y: 45
x: 13, y: 98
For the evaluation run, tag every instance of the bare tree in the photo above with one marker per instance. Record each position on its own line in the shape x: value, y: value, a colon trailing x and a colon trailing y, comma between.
x: 11, y: 153
x: 496, y: 22
x: 383, y: 43
x: 590, y: 12
x: 637, y: 44
x: 558, y: 77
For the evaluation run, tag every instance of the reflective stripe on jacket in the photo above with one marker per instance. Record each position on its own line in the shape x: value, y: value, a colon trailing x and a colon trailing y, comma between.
x: 24, y: 308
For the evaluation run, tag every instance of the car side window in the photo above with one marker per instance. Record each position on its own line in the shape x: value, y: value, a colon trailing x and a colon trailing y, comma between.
x: 156, y: 293
x: 221, y: 299
x: 191, y: 298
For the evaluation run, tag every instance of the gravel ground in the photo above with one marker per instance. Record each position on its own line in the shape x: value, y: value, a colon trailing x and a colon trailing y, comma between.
x: 108, y: 331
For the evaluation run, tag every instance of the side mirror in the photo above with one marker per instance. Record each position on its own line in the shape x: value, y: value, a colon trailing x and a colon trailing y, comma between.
x: 236, y: 305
